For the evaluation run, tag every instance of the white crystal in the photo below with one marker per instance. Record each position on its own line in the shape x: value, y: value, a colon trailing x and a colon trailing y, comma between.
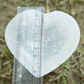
x: 61, y: 37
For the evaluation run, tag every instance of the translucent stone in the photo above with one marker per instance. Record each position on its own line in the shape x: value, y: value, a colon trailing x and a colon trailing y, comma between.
x: 61, y: 36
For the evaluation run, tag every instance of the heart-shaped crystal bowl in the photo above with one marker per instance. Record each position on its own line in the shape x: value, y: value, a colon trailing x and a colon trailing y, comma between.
x: 61, y: 37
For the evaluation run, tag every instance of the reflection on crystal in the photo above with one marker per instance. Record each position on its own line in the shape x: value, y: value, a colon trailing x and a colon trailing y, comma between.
x: 52, y: 44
